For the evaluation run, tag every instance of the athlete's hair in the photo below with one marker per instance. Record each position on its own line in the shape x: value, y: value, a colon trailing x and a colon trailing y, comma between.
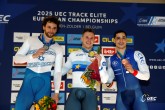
x: 88, y: 30
x: 119, y: 31
x: 51, y: 19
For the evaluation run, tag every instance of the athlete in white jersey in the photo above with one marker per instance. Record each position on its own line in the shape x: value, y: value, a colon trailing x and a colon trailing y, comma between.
x: 81, y: 96
x: 41, y: 54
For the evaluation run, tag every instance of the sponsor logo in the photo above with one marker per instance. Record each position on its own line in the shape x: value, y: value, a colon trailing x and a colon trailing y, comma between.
x: 69, y: 85
x: 115, y: 63
x: 130, y: 40
x: 62, y: 86
x: 13, y: 97
x: 16, y: 85
x: 104, y: 39
x: 140, y: 56
x: 18, y: 72
x: 20, y: 36
x: 148, y: 98
x: 74, y: 38
x: 16, y: 49
x: 157, y: 67
x: 57, y: 38
x: 108, y: 51
x: 4, y: 18
x: 97, y: 39
x: 109, y: 98
x: 72, y: 49
x: 60, y: 38
x: 157, y: 21
x: 107, y: 40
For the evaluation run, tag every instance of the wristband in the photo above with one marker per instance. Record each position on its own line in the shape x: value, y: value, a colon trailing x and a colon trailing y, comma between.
x: 135, y: 72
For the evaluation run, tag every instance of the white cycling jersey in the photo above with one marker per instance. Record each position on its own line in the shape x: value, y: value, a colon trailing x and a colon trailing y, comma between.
x: 78, y: 61
x: 52, y: 57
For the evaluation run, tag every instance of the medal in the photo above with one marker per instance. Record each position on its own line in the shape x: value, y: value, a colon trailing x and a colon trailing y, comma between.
x: 91, y: 54
x: 46, y: 47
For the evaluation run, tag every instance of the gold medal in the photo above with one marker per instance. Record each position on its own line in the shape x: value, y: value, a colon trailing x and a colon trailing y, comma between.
x: 91, y: 54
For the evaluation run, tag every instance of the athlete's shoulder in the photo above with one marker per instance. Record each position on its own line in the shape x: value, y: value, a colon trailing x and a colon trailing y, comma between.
x: 57, y: 47
x: 138, y: 53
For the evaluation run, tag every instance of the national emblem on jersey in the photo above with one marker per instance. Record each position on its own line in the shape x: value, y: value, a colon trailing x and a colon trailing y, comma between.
x: 41, y: 58
x: 115, y: 63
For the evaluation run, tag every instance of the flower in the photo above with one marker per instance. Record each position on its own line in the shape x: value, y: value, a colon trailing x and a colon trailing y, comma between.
x: 45, y: 103
x: 91, y: 75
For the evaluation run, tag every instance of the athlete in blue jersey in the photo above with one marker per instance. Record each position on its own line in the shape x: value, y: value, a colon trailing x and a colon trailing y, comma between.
x: 81, y: 96
x: 128, y: 67
x: 40, y: 53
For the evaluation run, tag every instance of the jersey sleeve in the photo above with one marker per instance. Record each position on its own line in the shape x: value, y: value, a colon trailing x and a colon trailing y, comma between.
x: 21, y: 56
x: 111, y: 75
x: 103, y: 72
x: 68, y: 65
x: 143, y: 72
x: 58, y: 68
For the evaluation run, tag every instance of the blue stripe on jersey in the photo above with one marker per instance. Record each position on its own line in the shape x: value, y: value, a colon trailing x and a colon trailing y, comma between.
x: 80, y: 65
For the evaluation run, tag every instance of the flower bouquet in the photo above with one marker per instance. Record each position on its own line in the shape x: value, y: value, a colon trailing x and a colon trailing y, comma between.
x: 45, y: 103
x: 91, y: 75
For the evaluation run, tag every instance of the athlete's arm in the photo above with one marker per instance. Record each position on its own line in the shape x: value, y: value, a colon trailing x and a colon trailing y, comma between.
x: 143, y: 72
x: 68, y: 65
x: 58, y: 68
x: 105, y: 76
x: 21, y: 56
x: 111, y: 75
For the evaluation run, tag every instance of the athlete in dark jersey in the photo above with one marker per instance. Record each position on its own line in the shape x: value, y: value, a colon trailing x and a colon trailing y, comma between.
x: 128, y: 67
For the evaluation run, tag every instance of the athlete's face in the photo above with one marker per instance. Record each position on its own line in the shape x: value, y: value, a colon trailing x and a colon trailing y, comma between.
x: 87, y: 40
x: 120, y: 40
x: 50, y: 29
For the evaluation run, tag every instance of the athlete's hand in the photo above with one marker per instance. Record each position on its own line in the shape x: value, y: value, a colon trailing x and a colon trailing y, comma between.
x: 127, y: 66
x: 55, y: 97
x: 39, y: 52
x: 98, y: 57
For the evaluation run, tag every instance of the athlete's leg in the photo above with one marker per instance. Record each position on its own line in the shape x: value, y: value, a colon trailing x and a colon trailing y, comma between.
x: 41, y: 86
x: 25, y: 96
x: 119, y: 103
x: 139, y: 104
x: 90, y: 100
x: 73, y: 102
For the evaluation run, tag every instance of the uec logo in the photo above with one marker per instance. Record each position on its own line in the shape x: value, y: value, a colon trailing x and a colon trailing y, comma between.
x: 148, y: 98
x: 4, y: 18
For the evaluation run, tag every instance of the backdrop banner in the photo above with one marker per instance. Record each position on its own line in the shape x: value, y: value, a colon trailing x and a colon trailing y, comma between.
x: 144, y: 24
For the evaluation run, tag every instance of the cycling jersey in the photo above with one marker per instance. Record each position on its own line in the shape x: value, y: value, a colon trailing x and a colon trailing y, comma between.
x: 127, y: 83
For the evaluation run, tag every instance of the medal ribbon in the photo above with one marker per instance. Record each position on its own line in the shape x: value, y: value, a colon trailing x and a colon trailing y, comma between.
x: 42, y: 39
x: 122, y: 56
x: 87, y: 51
